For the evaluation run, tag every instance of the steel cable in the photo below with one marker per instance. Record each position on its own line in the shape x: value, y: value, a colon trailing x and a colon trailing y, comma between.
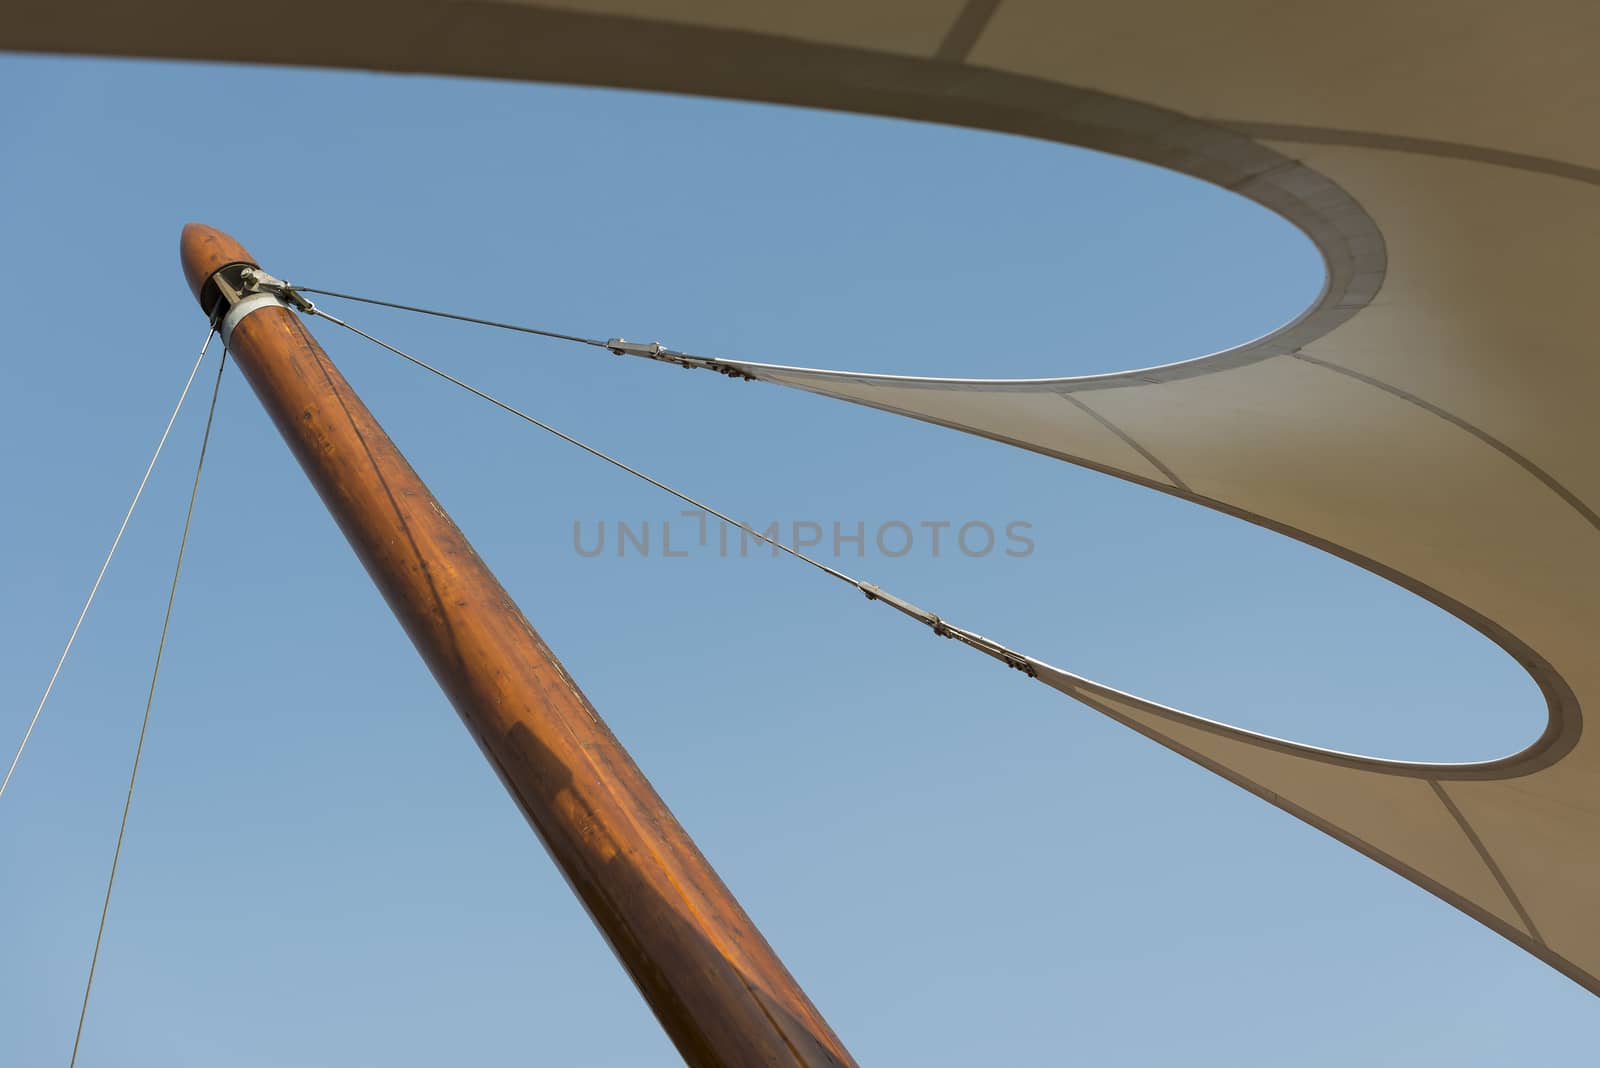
x: 106, y: 564
x: 149, y: 703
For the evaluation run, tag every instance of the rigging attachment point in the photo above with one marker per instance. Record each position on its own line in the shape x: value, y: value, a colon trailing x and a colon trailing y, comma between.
x: 654, y: 351
x: 621, y: 346
x: 258, y: 281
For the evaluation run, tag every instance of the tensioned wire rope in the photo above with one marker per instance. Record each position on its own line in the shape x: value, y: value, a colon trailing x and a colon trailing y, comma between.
x: 105, y: 565
x: 939, y: 626
x: 149, y: 703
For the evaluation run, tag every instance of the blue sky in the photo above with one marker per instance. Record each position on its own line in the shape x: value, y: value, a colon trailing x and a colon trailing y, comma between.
x: 961, y: 867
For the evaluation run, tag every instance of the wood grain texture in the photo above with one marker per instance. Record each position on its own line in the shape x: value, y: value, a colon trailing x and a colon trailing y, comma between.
x: 716, y: 986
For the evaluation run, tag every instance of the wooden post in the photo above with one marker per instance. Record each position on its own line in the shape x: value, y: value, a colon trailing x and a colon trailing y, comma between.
x: 717, y: 988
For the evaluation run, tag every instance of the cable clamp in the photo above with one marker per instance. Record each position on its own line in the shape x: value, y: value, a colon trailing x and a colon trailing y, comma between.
x: 621, y: 346
x: 256, y: 280
x: 655, y: 351
x: 972, y: 639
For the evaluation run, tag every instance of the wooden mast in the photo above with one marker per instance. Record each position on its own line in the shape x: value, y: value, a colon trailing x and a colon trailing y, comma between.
x: 711, y: 979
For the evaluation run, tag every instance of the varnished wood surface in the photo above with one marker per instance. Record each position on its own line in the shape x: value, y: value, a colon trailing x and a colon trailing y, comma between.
x: 712, y: 980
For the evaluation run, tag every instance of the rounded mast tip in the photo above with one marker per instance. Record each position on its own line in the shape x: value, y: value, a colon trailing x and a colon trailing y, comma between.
x: 205, y: 250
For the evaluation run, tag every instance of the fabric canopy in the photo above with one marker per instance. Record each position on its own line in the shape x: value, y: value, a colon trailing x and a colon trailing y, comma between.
x: 1441, y: 436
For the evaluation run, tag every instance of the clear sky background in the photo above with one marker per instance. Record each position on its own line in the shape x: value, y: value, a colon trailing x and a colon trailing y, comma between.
x: 960, y: 866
